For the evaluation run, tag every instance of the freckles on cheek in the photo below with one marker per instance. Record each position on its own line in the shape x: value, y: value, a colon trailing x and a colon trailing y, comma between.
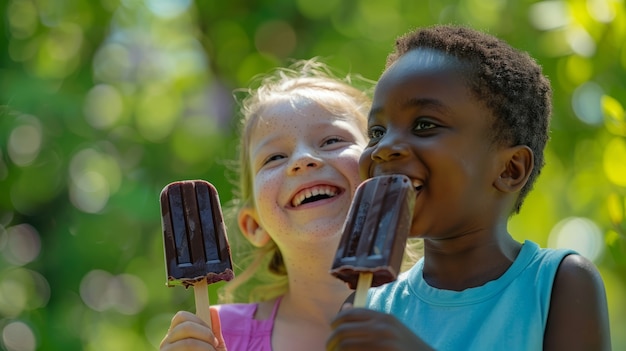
x: 267, y: 188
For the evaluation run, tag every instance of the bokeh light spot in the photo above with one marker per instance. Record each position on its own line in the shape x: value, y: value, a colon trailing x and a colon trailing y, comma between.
x: 22, y: 244
x: 616, y: 208
x: 65, y: 41
x: 103, y: 106
x: 17, y: 336
x: 22, y: 289
x: 578, y: 69
x: 615, y: 161
x: 89, y: 192
x: 586, y: 102
x: 168, y: 8
x: 93, y: 290
x: 548, y: 15
x: 579, y: 234
x: 112, y: 63
x: 94, y: 178
x: 614, y: 116
x: 600, y: 10
x: 22, y: 18
x: 157, y: 113
x: 580, y: 41
x: 25, y: 141
x: 129, y: 293
x: 12, y: 297
x: 126, y: 293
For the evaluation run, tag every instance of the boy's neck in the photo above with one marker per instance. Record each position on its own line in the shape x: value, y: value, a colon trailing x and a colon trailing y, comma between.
x: 463, y: 263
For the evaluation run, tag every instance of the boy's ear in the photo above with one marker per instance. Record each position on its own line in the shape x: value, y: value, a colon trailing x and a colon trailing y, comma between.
x: 518, y: 164
x: 251, y: 228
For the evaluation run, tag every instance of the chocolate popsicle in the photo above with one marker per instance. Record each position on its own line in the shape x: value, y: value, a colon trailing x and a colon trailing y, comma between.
x: 195, y: 243
x: 374, y: 235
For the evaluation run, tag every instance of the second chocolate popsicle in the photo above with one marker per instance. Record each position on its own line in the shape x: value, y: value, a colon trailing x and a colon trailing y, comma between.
x: 375, y: 232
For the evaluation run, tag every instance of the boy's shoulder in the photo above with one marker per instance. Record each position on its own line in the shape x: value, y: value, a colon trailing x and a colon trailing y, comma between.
x: 578, y: 306
x: 577, y: 274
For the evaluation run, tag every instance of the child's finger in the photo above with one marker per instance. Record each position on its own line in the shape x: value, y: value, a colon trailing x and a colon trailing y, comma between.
x: 188, y: 330
x: 185, y: 316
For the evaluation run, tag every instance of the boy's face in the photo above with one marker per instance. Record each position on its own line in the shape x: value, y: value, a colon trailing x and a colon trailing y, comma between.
x: 426, y: 124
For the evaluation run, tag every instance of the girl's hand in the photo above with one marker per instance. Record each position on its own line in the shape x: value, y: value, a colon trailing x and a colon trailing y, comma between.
x: 364, y: 329
x: 187, y: 332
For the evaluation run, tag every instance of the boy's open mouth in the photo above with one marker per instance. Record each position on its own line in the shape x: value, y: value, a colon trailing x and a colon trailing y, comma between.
x: 313, y: 194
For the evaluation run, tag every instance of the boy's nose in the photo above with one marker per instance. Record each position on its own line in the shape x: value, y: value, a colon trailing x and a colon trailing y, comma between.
x: 389, y: 150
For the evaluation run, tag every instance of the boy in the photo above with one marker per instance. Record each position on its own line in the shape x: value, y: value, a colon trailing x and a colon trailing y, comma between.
x: 466, y: 117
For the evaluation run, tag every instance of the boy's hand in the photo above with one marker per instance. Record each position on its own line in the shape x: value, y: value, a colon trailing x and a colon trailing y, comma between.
x: 364, y: 329
x: 187, y: 332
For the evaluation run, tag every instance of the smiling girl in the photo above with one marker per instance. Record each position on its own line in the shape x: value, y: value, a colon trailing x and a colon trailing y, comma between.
x: 302, y: 135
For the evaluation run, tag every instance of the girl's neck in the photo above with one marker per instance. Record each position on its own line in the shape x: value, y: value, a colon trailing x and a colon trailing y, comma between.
x: 311, y: 286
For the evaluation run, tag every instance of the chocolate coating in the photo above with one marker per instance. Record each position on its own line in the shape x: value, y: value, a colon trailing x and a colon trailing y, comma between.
x: 376, y: 230
x: 194, y: 235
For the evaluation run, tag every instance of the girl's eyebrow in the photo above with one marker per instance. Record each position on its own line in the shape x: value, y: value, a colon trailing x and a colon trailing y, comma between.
x: 254, y: 153
x: 412, y: 103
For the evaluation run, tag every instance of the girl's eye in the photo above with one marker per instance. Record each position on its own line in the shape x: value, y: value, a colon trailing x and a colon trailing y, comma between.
x: 272, y: 158
x: 332, y: 140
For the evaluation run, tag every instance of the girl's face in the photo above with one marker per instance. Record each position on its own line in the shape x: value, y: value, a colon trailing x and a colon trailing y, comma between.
x: 304, y: 162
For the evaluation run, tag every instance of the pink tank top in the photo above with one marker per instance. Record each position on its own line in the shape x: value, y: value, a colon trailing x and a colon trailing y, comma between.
x: 244, y: 333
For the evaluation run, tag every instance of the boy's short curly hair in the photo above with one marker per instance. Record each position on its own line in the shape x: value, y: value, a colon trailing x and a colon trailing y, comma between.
x: 508, y: 81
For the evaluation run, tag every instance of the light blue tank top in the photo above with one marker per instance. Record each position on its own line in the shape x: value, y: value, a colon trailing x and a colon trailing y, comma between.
x: 509, y: 313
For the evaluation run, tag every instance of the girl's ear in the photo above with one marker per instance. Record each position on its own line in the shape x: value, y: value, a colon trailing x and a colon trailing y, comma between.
x: 518, y: 164
x: 251, y: 228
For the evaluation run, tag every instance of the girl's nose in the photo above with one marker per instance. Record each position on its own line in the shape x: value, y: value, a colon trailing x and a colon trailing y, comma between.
x: 303, y: 162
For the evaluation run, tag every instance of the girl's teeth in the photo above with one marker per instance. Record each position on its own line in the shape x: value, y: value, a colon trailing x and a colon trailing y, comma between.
x: 326, y: 190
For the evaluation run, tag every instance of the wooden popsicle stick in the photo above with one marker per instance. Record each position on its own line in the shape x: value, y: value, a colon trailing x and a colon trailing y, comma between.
x: 360, y: 294
x: 201, y: 294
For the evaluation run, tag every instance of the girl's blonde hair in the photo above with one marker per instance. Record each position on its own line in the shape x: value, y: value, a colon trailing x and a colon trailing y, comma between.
x: 265, y: 276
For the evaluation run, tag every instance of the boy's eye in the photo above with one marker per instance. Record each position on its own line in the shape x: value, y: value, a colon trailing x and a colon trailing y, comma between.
x: 424, y: 125
x: 376, y: 132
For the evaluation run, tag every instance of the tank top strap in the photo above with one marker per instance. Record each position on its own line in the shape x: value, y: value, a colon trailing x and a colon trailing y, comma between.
x: 275, y: 309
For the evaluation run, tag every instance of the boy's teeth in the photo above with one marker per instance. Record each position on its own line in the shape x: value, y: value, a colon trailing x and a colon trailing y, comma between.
x: 417, y: 185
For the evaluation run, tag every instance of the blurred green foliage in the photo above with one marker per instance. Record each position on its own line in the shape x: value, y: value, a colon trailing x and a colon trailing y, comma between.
x: 104, y: 102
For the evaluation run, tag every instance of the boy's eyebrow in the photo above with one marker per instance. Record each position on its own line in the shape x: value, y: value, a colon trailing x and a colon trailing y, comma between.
x: 415, y: 102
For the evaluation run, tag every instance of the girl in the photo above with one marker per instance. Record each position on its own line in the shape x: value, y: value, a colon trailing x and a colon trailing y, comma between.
x: 302, y: 135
